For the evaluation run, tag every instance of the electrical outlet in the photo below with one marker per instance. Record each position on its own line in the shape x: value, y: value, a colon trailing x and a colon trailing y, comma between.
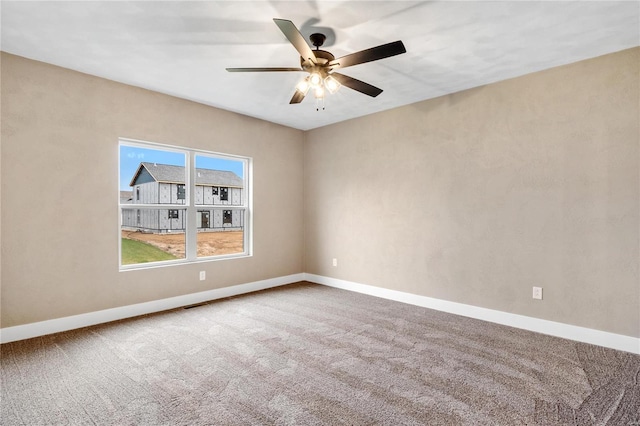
x: 203, y: 275
x: 335, y: 262
x: 537, y: 293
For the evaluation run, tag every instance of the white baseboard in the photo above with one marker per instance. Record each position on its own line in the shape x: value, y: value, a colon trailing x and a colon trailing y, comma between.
x: 27, y: 331
x: 572, y: 332
x: 566, y: 331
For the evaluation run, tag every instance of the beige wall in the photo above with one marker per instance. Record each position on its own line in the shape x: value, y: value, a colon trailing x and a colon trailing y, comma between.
x: 478, y: 196
x: 59, y: 167
x: 473, y: 197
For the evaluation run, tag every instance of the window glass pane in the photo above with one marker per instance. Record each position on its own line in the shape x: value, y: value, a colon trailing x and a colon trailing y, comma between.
x: 152, y: 235
x: 152, y: 176
x: 220, y: 232
x: 219, y: 182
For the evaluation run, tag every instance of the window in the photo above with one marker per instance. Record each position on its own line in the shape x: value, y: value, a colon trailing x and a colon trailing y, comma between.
x: 228, y: 217
x: 180, y: 192
x: 189, y: 225
x: 204, y: 219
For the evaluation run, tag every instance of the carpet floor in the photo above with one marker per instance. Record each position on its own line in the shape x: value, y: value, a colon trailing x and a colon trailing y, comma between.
x: 306, y: 354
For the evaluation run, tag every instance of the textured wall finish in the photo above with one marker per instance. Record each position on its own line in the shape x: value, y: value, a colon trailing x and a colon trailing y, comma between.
x: 473, y: 198
x: 60, y: 133
x: 478, y: 196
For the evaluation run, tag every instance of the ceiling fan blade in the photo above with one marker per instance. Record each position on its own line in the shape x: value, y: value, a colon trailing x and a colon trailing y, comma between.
x: 298, y: 96
x: 368, y: 55
x: 292, y: 33
x: 357, y: 85
x: 262, y: 69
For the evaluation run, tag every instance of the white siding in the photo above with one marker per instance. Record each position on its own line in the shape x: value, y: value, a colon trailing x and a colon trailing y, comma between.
x: 210, y: 195
x: 157, y: 220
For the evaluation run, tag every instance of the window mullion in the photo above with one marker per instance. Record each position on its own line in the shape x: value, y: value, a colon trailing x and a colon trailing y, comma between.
x: 191, y: 231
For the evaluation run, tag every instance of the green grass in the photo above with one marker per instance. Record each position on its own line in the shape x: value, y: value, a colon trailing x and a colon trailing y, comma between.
x: 138, y: 252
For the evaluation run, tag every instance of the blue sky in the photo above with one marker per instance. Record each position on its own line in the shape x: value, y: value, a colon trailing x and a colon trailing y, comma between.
x: 132, y: 156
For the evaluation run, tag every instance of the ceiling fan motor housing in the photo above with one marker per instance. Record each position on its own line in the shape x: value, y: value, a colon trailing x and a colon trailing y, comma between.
x: 321, y: 60
x: 322, y: 57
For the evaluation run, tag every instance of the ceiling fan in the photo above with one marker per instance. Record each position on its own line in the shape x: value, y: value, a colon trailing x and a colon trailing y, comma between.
x: 321, y: 65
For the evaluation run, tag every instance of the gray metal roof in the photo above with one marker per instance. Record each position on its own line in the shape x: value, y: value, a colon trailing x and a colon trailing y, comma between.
x: 175, y: 174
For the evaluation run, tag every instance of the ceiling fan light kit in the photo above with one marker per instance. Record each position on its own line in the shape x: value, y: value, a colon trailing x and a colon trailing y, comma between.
x: 316, y: 82
x: 331, y: 84
x: 321, y: 65
x: 304, y: 86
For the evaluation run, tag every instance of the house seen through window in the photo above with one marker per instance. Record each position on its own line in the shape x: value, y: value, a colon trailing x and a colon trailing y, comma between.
x: 189, y: 205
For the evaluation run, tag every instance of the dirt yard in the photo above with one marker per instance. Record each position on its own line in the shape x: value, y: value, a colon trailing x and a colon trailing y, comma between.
x: 209, y: 243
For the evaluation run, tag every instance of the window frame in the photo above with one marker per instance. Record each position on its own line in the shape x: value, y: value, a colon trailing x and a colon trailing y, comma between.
x: 190, y: 207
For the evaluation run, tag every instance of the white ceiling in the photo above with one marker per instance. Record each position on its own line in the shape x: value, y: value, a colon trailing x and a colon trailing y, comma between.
x: 183, y: 48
